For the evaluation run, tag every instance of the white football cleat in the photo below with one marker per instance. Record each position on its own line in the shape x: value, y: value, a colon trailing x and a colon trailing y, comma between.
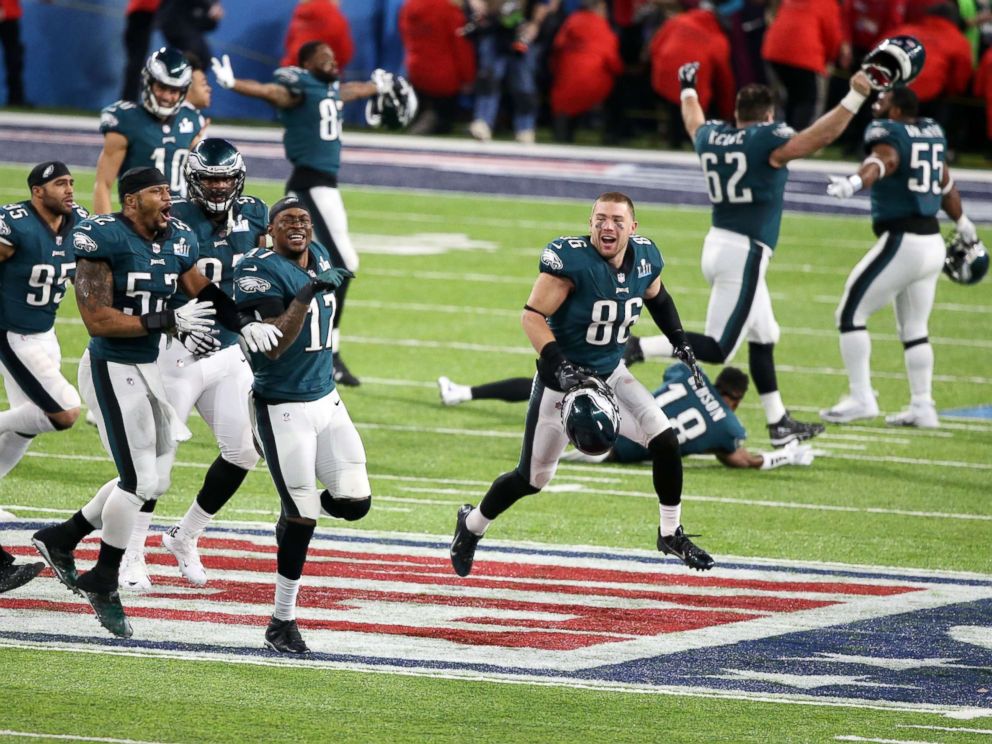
x: 452, y: 393
x: 184, y: 551
x: 133, y: 575
x: 850, y: 409
x: 922, y: 416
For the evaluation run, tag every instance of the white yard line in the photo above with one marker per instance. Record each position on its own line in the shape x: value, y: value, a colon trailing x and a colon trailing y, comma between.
x: 71, y: 737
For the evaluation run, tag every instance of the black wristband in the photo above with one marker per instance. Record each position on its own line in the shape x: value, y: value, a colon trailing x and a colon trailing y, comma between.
x: 155, y: 322
x: 227, y: 311
x: 551, y: 356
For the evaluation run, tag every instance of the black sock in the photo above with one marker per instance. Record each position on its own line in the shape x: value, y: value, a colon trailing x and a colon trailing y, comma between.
x: 504, y: 493
x: 512, y: 390
x: 292, y: 553
x: 221, y: 482
x: 5, y: 558
x: 68, y: 534
x: 149, y: 506
x: 666, y: 468
x: 761, y: 360
x: 109, y: 562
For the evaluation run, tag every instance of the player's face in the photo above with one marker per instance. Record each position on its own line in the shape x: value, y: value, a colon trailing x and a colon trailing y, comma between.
x: 610, y: 227
x: 153, y: 206
x: 291, y: 231
x: 881, y: 108
x: 217, y: 188
x: 199, y: 90
x: 57, y: 196
x: 166, y: 95
x: 322, y: 64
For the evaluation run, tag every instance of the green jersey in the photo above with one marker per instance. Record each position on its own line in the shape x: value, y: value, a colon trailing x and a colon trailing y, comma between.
x: 222, y: 245
x: 268, y: 282
x: 313, y: 127
x: 162, y: 144
x: 145, y: 273
x: 914, y: 189
x: 32, y: 281
x: 746, y: 191
x: 592, y: 325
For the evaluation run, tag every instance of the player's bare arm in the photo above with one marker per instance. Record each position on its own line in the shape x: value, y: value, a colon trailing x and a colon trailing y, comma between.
x: 274, y: 93
x: 693, y: 115
x: 740, y: 458
x: 108, y: 165
x: 356, y: 90
x: 546, y: 296
x: 95, y: 297
x: 289, y: 323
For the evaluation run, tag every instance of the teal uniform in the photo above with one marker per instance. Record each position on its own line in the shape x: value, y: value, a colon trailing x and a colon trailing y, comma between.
x: 146, y: 274
x: 914, y: 190
x: 313, y: 127
x: 701, y: 418
x: 593, y: 324
x: 153, y: 142
x: 33, y: 280
x: 747, y: 193
x: 223, y: 246
x: 304, y: 371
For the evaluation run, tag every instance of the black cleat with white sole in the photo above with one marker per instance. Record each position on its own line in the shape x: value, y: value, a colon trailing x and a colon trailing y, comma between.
x: 61, y: 560
x: 685, y: 550
x: 787, y: 429
x: 284, y: 636
x: 106, y: 603
x: 463, y: 544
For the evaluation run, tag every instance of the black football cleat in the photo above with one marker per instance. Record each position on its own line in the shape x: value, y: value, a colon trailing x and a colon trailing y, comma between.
x: 787, y: 429
x: 284, y: 636
x: 62, y: 561
x: 342, y: 376
x: 463, y: 544
x: 14, y: 575
x: 106, y: 603
x: 683, y: 548
x: 632, y: 353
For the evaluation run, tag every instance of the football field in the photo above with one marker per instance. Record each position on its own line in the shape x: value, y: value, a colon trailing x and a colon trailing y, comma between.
x: 852, y: 600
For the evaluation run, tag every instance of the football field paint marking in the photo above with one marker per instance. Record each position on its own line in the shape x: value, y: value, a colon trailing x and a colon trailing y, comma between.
x: 883, y: 741
x: 71, y: 737
x: 955, y: 729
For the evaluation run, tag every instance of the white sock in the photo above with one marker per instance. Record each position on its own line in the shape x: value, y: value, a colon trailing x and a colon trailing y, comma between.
x: 855, y: 349
x: 671, y: 518
x: 461, y: 392
x: 477, y: 523
x: 12, y: 448
x: 119, y: 515
x: 919, y: 369
x: 27, y: 418
x: 774, y: 407
x: 93, y: 511
x: 286, y: 591
x: 194, y: 521
x: 139, y: 532
x: 654, y: 347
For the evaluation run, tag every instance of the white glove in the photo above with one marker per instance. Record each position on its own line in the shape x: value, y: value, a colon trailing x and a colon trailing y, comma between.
x: 195, y: 315
x: 967, y: 231
x: 223, y: 71
x: 844, y: 188
x: 260, y: 336
x: 799, y: 454
x: 382, y: 80
x: 199, y: 344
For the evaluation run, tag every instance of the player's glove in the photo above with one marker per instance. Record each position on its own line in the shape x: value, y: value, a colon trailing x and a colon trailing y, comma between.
x: 844, y: 187
x: 382, y: 80
x: 223, y: 71
x: 195, y: 315
x: 199, y: 344
x: 683, y: 352
x: 967, y: 230
x: 559, y: 373
x: 791, y: 454
x: 687, y: 75
x: 260, y: 336
x: 326, y: 281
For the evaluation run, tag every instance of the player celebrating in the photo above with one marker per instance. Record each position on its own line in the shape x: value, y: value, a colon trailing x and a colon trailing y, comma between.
x: 745, y: 169
x: 159, y: 131
x: 309, y: 99
x: 590, y: 290
x: 215, y: 379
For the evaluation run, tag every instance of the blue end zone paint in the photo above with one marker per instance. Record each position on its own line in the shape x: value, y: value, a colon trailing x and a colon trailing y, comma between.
x: 975, y: 412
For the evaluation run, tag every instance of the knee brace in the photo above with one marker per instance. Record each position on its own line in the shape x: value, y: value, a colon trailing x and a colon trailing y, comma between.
x: 350, y: 510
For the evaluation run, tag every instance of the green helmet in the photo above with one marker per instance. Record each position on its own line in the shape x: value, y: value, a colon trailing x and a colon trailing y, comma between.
x: 168, y: 67
x: 214, y: 158
x: 896, y: 60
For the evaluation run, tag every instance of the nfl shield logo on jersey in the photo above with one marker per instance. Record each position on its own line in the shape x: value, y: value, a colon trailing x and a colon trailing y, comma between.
x: 156, y: 248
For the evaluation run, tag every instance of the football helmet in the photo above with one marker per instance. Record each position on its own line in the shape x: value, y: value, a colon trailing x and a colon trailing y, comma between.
x: 591, y: 417
x: 169, y: 67
x: 217, y: 158
x: 965, y: 263
x: 393, y: 109
x: 894, y: 61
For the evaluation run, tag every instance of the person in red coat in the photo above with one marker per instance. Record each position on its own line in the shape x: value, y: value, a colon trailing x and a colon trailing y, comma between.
x: 439, y: 60
x: 13, y: 50
x: 693, y: 36
x: 318, y: 20
x: 948, y: 67
x: 801, y: 41
x: 585, y: 61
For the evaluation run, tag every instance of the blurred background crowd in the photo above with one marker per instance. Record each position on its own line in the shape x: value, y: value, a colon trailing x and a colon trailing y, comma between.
x: 600, y: 71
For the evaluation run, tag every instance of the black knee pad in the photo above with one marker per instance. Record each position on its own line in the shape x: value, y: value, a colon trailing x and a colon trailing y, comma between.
x: 664, y: 444
x: 350, y: 510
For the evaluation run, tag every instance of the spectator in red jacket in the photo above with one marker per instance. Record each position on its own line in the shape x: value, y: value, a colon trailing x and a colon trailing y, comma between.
x: 801, y: 41
x: 585, y: 61
x: 440, y: 61
x: 319, y: 20
x: 693, y: 36
x: 983, y: 89
x: 13, y: 50
x: 864, y: 23
x: 947, y: 71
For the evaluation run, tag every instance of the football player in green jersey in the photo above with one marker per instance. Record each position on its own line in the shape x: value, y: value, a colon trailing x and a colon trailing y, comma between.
x: 906, y: 170
x: 309, y: 99
x: 589, y: 291
x: 36, y: 261
x: 745, y: 168
x: 227, y: 226
x: 158, y: 131
x: 299, y: 419
x: 128, y: 265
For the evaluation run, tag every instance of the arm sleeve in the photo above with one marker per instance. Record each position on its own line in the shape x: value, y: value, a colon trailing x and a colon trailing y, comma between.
x: 666, y: 315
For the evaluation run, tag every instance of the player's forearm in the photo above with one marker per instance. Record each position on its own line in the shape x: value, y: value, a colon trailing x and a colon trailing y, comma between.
x: 277, y: 95
x: 101, y: 196
x: 692, y: 115
x: 356, y: 90
x: 537, y: 330
x: 290, y: 323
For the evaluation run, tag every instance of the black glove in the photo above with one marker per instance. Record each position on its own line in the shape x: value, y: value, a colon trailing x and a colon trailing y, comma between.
x: 683, y: 352
x: 327, y: 280
x: 557, y: 372
x: 687, y: 75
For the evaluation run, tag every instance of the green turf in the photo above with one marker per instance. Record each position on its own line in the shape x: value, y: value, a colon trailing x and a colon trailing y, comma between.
x: 882, y: 497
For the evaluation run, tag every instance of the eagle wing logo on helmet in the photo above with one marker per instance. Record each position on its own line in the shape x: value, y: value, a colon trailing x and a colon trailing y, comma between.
x: 590, y: 417
x: 894, y: 61
x: 83, y: 243
x: 965, y: 263
x: 252, y: 284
